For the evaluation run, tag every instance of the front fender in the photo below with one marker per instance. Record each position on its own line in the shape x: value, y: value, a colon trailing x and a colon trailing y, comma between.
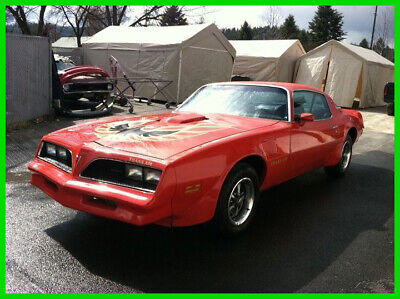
x: 200, y: 174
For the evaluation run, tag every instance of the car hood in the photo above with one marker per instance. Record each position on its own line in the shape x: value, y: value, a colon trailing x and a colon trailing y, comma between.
x: 77, y: 71
x: 159, y: 136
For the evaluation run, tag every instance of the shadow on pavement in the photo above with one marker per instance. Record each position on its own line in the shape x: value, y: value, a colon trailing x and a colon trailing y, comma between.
x: 301, y: 227
x: 379, y: 109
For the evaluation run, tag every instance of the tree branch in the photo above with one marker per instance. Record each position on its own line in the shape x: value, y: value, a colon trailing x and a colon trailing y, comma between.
x: 147, y: 16
x: 121, y: 15
x: 41, y: 20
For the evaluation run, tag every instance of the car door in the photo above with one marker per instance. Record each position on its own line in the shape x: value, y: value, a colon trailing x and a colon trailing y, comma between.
x: 310, y: 141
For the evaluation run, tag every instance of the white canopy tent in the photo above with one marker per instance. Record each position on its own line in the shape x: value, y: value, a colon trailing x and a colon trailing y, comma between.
x: 188, y: 55
x: 67, y: 46
x: 266, y: 60
x: 347, y: 73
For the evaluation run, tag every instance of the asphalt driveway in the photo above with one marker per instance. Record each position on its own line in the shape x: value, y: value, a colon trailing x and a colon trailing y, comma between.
x: 311, y: 234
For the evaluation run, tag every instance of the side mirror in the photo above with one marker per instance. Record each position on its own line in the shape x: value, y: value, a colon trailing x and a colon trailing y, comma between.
x: 303, y: 117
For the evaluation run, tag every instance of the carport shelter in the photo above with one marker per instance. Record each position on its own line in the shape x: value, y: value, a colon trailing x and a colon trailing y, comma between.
x: 189, y: 56
x: 67, y: 46
x: 347, y: 73
x: 266, y: 60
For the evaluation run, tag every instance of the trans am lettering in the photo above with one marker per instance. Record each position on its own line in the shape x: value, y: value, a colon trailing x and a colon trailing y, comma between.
x: 144, y: 129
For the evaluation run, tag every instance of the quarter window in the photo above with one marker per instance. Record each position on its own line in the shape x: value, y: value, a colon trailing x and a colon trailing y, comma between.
x: 311, y: 102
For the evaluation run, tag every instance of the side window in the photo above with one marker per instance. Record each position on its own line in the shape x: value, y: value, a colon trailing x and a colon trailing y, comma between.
x: 311, y: 102
x: 320, y: 108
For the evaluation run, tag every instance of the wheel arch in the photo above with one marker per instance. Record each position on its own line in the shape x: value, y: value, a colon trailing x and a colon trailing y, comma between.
x: 255, y: 161
x: 352, y: 132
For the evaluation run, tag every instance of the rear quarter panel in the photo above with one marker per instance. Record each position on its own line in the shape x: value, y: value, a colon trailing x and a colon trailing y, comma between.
x: 345, y: 119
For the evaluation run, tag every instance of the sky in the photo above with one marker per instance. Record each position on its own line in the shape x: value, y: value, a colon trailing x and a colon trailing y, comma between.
x: 358, y: 20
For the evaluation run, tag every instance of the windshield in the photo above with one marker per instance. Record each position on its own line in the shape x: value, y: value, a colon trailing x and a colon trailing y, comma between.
x: 242, y: 100
x: 61, y: 65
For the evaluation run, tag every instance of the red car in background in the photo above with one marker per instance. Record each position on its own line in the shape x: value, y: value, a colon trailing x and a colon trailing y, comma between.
x: 207, y: 160
x: 86, y: 90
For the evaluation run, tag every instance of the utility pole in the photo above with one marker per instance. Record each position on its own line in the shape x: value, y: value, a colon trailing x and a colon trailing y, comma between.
x: 373, y: 27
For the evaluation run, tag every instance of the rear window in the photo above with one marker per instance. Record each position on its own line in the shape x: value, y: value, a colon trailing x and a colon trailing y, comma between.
x: 61, y: 65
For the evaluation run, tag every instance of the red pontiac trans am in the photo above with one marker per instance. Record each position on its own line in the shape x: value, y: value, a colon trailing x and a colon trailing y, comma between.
x: 207, y: 160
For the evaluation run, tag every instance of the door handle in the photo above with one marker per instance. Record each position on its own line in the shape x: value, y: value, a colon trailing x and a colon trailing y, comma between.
x: 335, y: 127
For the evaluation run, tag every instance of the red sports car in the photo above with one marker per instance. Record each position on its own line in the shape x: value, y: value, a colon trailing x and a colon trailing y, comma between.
x: 86, y: 90
x: 207, y: 160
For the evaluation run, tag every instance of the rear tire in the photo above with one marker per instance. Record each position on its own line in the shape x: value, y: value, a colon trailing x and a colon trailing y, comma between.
x: 237, y: 200
x: 340, y: 169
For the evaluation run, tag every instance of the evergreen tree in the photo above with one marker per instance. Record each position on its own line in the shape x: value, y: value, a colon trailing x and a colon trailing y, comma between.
x: 326, y: 25
x: 379, y: 46
x: 172, y: 16
x: 289, y: 29
x: 364, y: 43
x: 230, y: 33
x: 305, y: 39
x: 265, y: 32
x: 245, y: 31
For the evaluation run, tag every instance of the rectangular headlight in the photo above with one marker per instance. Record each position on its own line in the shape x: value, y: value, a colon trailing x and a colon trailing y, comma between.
x: 50, y: 149
x: 66, y: 87
x: 56, y: 155
x: 152, y: 176
x: 123, y: 174
x: 133, y: 172
x: 62, y: 153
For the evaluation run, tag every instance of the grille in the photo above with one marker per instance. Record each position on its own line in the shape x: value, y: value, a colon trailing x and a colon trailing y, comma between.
x: 88, y: 87
x: 113, y: 172
x: 57, y: 155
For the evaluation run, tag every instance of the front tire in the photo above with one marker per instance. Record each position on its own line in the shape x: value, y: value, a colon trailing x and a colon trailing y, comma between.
x: 237, y: 200
x: 340, y: 169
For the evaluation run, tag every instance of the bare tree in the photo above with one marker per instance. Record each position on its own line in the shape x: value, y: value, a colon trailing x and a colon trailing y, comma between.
x: 115, y: 14
x: 100, y: 17
x: 97, y: 20
x: 76, y: 17
x: 197, y: 14
x: 21, y: 16
x: 272, y: 16
x: 383, y: 24
x: 9, y: 17
x: 200, y: 20
x: 150, y: 15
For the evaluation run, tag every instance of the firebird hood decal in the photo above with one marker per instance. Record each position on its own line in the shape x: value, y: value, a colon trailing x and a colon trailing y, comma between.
x: 159, y: 136
x: 145, y: 130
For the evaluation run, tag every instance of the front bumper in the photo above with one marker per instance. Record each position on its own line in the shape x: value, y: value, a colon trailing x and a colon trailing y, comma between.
x: 102, y: 199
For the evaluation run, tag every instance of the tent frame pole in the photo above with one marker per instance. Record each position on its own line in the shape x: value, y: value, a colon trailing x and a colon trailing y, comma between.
x: 179, y: 76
